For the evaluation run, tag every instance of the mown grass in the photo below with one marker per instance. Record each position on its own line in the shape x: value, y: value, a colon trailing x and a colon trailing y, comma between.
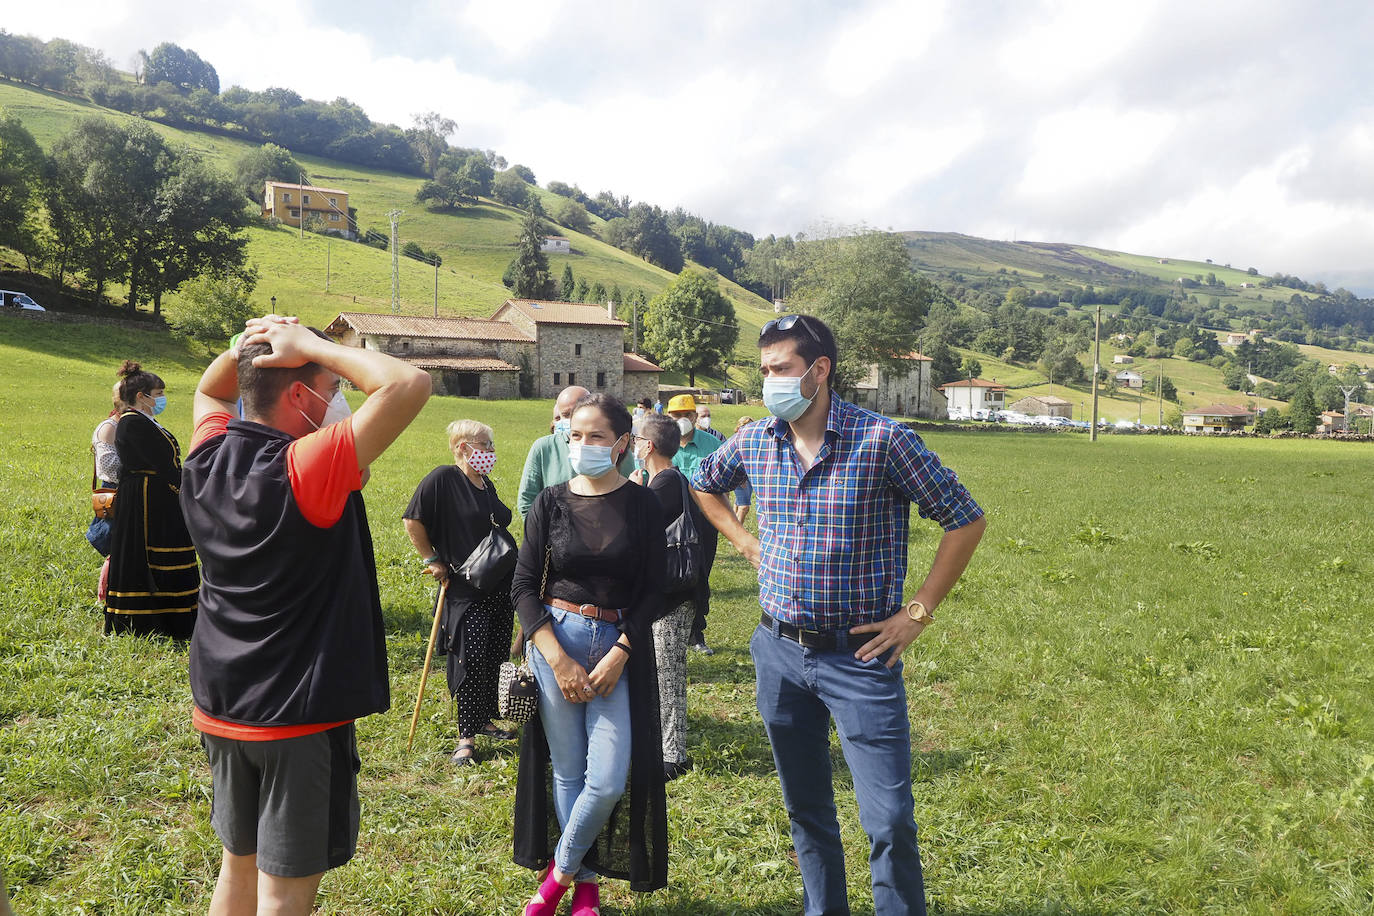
x: 1148, y: 695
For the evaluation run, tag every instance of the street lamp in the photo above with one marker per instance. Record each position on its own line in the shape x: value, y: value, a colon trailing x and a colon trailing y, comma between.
x: 274, y: 305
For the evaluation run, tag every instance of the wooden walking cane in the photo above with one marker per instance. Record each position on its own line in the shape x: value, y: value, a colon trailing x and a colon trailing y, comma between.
x: 429, y: 655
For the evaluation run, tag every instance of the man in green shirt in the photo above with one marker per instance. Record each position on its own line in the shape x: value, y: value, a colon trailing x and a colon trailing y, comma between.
x: 547, y: 462
x: 696, y: 444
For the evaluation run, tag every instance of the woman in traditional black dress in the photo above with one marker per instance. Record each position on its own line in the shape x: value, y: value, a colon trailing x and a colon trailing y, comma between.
x: 452, y: 511
x: 154, y: 581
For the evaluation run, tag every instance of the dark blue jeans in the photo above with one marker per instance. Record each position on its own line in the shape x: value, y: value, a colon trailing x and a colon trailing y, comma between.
x: 799, y: 691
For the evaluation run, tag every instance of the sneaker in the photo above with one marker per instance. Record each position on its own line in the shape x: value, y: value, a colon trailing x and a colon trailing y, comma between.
x: 700, y: 646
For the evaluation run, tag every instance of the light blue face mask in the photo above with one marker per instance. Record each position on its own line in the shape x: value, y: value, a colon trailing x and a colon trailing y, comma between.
x: 159, y: 404
x: 783, y: 398
x: 562, y: 425
x: 590, y: 460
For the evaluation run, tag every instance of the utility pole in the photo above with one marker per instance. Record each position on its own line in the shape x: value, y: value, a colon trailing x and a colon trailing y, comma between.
x: 1159, y: 391
x: 395, y: 217
x: 328, y: 248
x: 1097, y: 354
x: 436, y: 287
x: 634, y: 334
x: 300, y: 190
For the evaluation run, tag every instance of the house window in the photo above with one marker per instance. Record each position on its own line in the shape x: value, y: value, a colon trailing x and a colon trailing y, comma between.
x: 577, y: 349
x: 572, y: 378
x: 295, y: 213
x: 333, y: 217
x: 305, y: 200
x: 333, y: 201
x: 556, y: 376
x: 601, y: 380
x: 286, y: 197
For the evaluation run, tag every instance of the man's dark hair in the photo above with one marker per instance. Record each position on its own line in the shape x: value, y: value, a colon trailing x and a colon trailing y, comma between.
x: 261, y: 388
x: 611, y: 408
x: 662, y: 433
x: 811, y: 336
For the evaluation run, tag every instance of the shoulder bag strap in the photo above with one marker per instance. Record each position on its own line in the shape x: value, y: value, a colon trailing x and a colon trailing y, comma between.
x: 691, y: 525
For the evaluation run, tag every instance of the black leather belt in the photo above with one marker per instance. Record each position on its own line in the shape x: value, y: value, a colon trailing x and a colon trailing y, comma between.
x: 824, y: 640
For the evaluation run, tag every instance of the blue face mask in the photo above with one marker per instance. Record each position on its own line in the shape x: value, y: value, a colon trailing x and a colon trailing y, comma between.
x: 783, y: 398
x: 590, y: 460
x: 159, y: 404
x: 562, y: 425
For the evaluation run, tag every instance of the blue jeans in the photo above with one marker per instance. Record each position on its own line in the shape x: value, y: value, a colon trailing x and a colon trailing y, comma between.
x: 589, y: 743
x: 799, y: 691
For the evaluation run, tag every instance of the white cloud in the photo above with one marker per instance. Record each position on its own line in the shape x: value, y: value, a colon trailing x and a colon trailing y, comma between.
x: 879, y: 41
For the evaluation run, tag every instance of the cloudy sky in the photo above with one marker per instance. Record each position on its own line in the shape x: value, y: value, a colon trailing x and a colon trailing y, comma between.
x: 1237, y: 131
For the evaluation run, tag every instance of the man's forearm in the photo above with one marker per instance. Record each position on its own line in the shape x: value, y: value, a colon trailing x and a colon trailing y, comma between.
x: 368, y: 370
x: 951, y: 559
x: 718, y: 512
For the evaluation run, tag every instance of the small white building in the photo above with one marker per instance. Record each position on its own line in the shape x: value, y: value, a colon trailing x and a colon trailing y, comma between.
x: 1130, y: 379
x: 555, y: 244
x: 973, y: 398
x: 1123, y: 358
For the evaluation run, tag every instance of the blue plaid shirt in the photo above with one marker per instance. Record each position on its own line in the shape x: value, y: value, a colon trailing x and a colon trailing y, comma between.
x: 834, y: 539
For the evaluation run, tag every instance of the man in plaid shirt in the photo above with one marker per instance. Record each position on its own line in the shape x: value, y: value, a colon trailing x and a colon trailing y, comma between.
x: 833, y: 484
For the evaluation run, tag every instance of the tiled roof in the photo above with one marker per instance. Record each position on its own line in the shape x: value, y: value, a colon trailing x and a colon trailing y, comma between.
x: 304, y: 187
x: 422, y: 326
x: 464, y: 363
x: 584, y: 313
x: 1218, y: 410
x: 973, y: 383
x: 635, y: 363
x: 1050, y: 400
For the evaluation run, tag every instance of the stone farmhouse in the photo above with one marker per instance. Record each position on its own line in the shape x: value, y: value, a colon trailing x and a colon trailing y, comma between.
x: 909, y: 393
x: 1044, y: 405
x: 551, y: 344
x: 555, y: 244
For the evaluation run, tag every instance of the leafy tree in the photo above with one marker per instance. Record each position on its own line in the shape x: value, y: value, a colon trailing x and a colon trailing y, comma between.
x: 583, y: 290
x: 1235, y: 377
x: 510, y: 189
x: 1059, y: 360
x: 1302, y: 409
x: 1270, y: 421
x: 529, y: 271
x: 598, y: 293
x: 268, y: 162
x: 21, y: 188
x: 572, y: 215
x: 647, y: 235
x: 690, y: 326
x: 615, y: 295
x: 429, y: 138
x: 562, y: 189
x: 970, y: 368
x: 215, y: 307
x: 862, y: 285
x: 525, y: 173
x: 169, y: 63
x: 567, y: 287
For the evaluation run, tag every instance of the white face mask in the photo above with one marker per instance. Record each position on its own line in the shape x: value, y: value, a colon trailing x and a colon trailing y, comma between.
x: 336, y: 409
x: 704, y: 422
x: 481, y: 461
x: 684, y: 425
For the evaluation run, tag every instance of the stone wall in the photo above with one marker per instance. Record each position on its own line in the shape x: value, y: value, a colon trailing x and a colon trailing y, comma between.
x: 639, y: 385
x: 443, y: 346
x: 910, y: 395
x: 602, y: 351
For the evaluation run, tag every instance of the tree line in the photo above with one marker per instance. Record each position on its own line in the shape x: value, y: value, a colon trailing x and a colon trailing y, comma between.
x: 116, y: 204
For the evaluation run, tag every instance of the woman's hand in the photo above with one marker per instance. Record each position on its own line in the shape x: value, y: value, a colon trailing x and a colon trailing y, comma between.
x: 438, y: 569
x: 572, y: 680
x: 607, y: 672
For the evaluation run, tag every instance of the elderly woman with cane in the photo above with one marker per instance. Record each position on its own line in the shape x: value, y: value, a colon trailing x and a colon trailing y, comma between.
x: 454, y: 508
x: 588, y: 586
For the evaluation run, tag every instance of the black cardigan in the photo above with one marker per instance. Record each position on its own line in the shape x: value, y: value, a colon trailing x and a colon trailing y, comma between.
x: 634, y: 843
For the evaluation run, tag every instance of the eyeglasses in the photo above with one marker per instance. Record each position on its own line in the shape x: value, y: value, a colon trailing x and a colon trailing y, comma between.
x: 786, y: 323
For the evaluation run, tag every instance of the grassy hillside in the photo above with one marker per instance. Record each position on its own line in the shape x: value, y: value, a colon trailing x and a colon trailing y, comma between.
x: 475, y: 243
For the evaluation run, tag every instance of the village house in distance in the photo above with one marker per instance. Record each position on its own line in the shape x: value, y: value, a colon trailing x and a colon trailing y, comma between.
x: 905, y: 393
x: 328, y: 206
x: 526, y: 349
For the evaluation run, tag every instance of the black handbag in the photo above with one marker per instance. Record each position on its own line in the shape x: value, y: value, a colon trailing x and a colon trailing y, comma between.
x: 492, y: 560
x: 683, y: 566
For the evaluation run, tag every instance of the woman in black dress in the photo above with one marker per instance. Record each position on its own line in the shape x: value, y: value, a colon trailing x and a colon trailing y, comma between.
x: 154, y: 582
x: 452, y: 511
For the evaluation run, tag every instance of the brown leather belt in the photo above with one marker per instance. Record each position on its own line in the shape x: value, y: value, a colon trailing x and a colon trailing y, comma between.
x: 608, y: 614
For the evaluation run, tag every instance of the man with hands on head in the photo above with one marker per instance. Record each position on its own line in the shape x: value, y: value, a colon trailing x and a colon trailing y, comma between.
x: 290, y: 648
x: 833, y: 484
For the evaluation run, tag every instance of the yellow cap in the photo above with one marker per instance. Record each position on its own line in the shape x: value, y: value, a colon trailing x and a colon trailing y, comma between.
x: 682, y: 402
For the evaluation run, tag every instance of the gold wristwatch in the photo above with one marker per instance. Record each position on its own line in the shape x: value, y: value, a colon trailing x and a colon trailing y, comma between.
x: 917, y: 612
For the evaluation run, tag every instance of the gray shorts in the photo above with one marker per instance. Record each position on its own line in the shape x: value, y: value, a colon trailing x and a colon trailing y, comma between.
x: 293, y: 802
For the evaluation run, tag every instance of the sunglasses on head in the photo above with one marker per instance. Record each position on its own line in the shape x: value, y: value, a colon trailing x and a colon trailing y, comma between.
x: 786, y: 323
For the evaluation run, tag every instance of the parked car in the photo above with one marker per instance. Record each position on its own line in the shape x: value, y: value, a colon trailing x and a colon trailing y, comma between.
x: 12, y: 300
x: 732, y: 396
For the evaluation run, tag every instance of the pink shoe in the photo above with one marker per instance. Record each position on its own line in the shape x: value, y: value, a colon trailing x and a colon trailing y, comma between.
x: 545, y: 900
x: 586, y: 899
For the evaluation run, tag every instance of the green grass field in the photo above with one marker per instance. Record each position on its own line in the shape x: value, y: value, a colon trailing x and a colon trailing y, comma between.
x: 1150, y: 693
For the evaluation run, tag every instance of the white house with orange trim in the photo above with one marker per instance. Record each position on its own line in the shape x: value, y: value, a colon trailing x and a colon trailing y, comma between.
x: 974, y: 399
